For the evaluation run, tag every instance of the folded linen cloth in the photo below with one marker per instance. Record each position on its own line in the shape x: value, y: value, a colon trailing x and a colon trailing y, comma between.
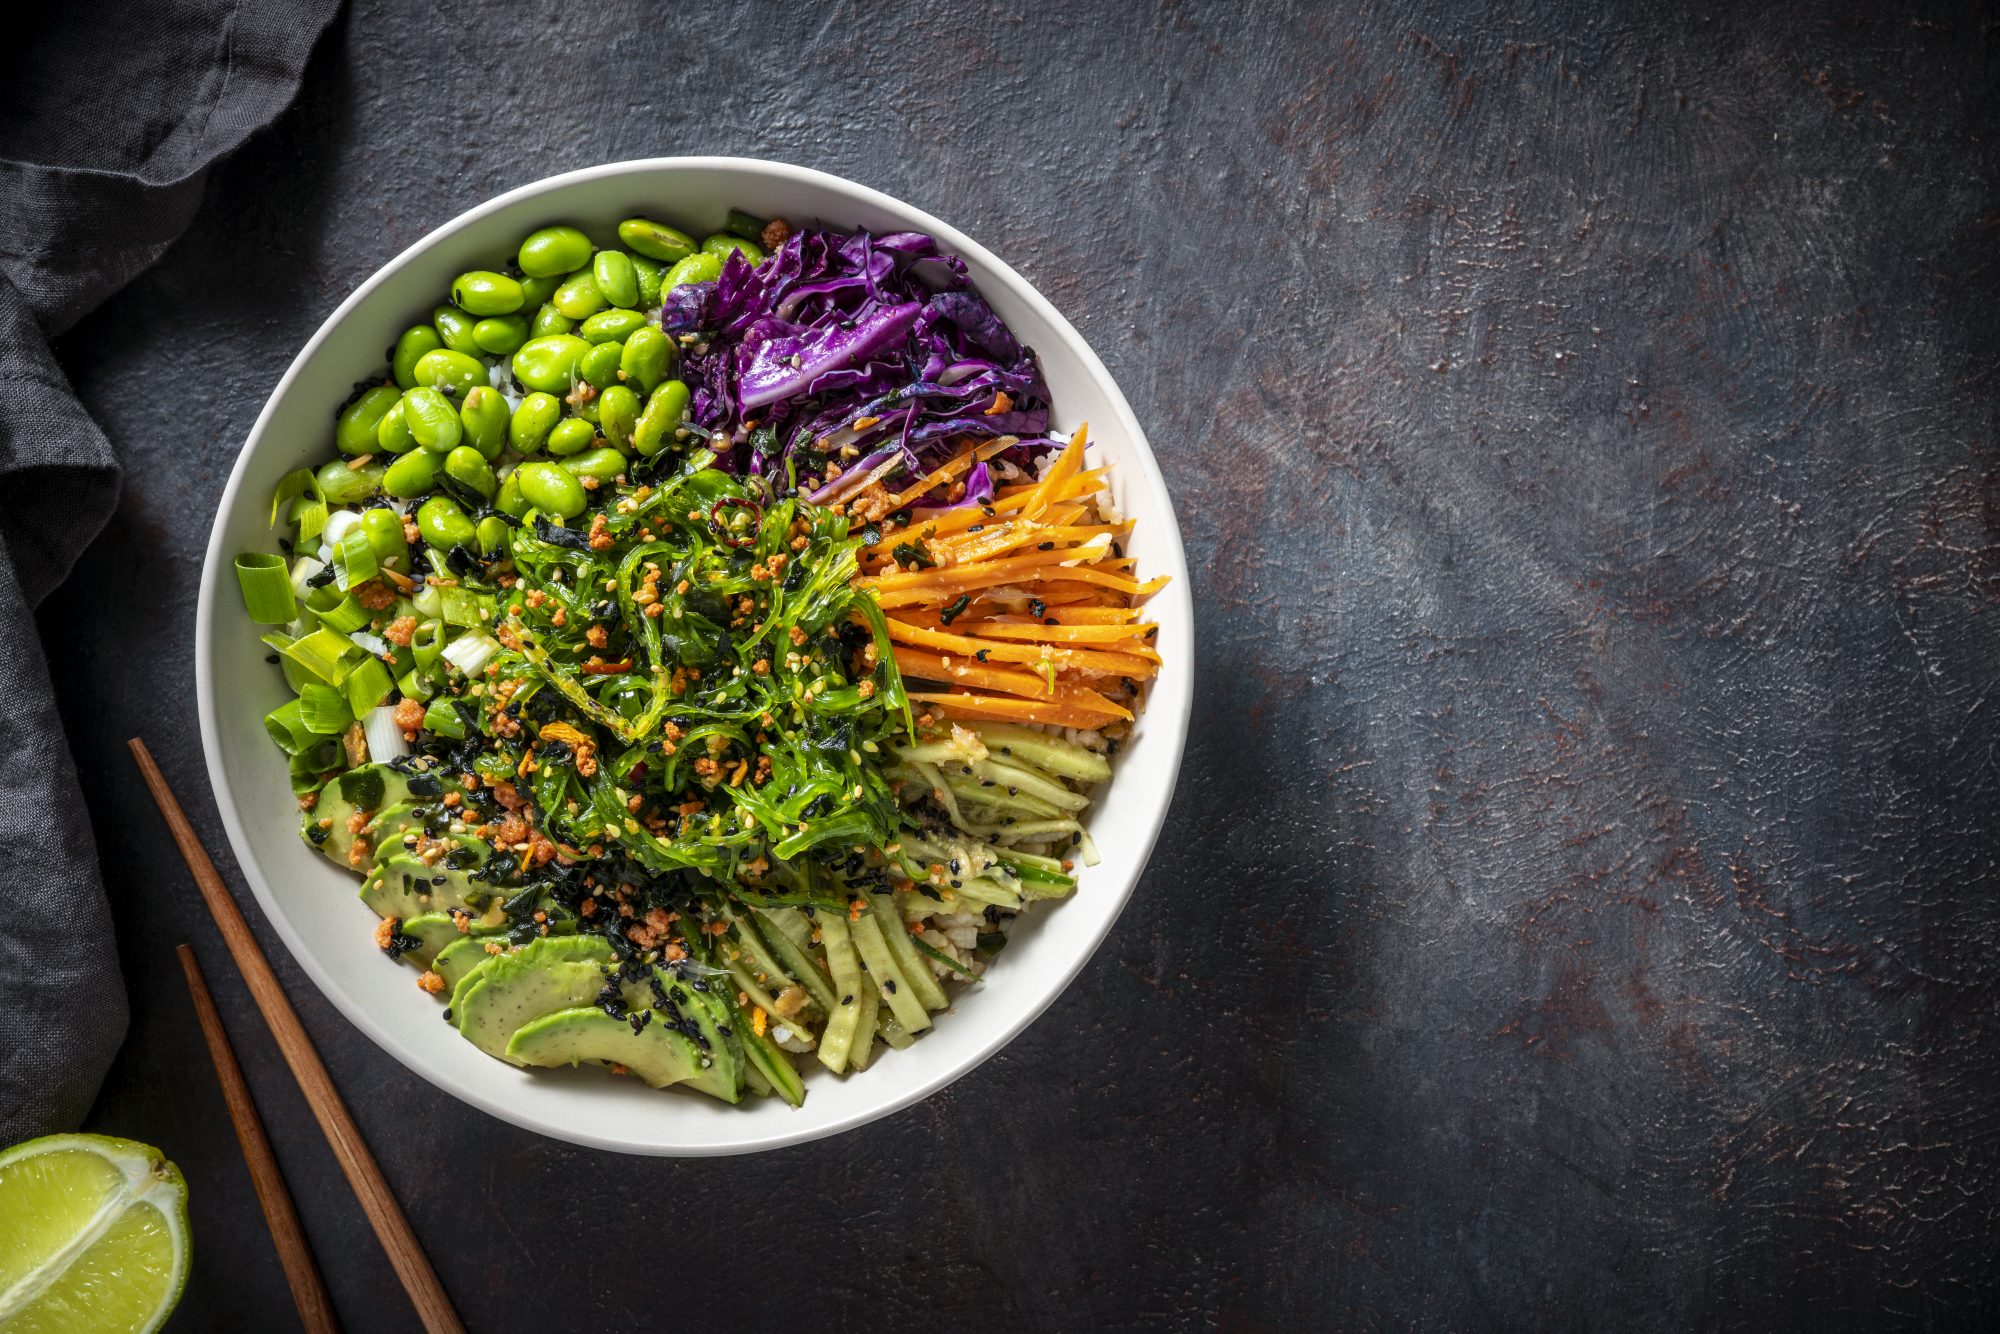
x: 110, y: 116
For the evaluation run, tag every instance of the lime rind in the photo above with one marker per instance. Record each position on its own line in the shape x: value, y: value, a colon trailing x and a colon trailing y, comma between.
x: 146, y: 1181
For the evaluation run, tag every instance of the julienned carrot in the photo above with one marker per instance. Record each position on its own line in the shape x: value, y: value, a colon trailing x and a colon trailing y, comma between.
x: 1067, y: 465
x: 965, y: 578
x: 953, y: 468
x: 1109, y: 664
x: 971, y: 516
x: 1003, y: 709
x: 1107, y: 635
x: 962, y: 671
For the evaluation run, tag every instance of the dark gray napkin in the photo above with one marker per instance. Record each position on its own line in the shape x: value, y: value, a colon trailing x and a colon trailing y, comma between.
x: 110, y: 115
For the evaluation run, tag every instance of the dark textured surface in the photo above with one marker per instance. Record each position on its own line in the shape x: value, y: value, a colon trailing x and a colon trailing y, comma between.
x: 1580, y: 904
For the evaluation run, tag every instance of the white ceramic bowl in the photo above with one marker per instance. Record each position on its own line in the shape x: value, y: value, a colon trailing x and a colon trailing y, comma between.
x: 313, y: 904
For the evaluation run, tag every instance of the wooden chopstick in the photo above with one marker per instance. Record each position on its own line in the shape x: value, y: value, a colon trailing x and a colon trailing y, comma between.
x: 406, y: 1254
x: 308, y: 1292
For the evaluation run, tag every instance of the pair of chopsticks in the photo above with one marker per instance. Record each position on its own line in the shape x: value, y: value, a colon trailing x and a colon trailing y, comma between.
x: 406, y: 1254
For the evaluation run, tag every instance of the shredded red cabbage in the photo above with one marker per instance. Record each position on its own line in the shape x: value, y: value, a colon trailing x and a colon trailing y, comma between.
x: 835, y: 350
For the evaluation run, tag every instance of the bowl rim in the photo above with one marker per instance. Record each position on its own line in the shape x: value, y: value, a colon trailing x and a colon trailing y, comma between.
x: 1168, y: 709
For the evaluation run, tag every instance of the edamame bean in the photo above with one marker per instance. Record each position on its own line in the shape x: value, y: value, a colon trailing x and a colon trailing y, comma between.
x: 484, y: 292
x: 432, y: 419
x: 501, y: 335
x: 485, y: 418
x: 452, y: 372
x: 602, y: 464
x: 615, y: 278
x: 649, y: 275
x: 412, y: 475
x: 611, y: 326
x: 354, y: 429
x: 537, y: 415
x: 392, y: 433
x: 384, y: 529
x: 548, y: 320
x: 648, y: 356
x: 454, y: 327
x: 578, y: 297
x: 343, y: 484
x: 665, y: 411
x: 572, y: 435
x: 535, y: 291
x: 549, y: 363
x: 444, y: 524
x: 467, y: 465
x: 493, y: 532
x: 411, y: 344
x: 655, y: 240
x: 553, y: 250
x: 510, y: 500
x: 722, y: 243
x: 599, y: 366
x: 698, y: 268
x: 617, y: 414
x: 548, y: 486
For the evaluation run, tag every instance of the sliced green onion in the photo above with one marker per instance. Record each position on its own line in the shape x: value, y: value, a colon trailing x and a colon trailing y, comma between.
x: 344, y: 615
x: 413, y: 685
x: 471, y: 652
x: 295, y: 676
x: 327, y: 654
x: 287, y: 726
x: 427, y: 641
x: 307, y: 506
x: 462, y: 606
x: 354, y: 559
x: 429, y: 600
x: 267, y: 591
x: 384, y: 736
x: 443, y: 719
x: 367, y: 685
x: 309, y: 767
x: 323, y: 710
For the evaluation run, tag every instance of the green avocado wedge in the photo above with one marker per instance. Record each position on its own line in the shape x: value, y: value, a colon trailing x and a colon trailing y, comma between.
x: 497, y: 998
x: 657, y: 1053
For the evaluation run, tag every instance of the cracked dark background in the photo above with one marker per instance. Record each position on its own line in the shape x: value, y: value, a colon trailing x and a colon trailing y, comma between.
x: 1579, y: 906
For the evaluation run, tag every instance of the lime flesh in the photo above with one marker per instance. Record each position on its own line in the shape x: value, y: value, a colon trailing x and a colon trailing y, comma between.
x: 93, y: 1236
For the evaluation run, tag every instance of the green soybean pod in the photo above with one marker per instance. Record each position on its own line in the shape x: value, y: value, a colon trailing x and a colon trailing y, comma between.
x: 602, y: 463
x: 444, y: 524
x: 722, y: 243
x: 384, y: 530
x: 484, y: 292
x: 611, y: 326
x: 617, y: 414
x: 549, y: 363
x: 492, y: 532
x: 454, y: 327
x: 502, y: 335
x: 548, y: 320
x: 655, y: 240
x: 411, y: 345
x: 412, y: 475
x: 392, y: 433
x: 453, y: 372
x: 535, y: 291
x: 649, y: 275
x: 484, y: 415
x: 548, y: 486
x: 572, y: 435
x: 343, y: 484
x: 537, y: 415
x: 553, y: 250
x: 466, y: 464
x: 433, y: 420
x: 697, y: 268
x: 510, y: 500
x: 648, y: 356
x: 599, y: 366
x: 665, y: 411
x: 578, y: 297
x: 616, y: 280
x: 354, y: 428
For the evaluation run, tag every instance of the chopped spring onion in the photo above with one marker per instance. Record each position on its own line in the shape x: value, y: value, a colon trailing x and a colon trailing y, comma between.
x: 323, y: 710
x: 367, y: 685
x: 471, y: 652
x: 303, y: 570
x: 287, y: 726
x: 344, y: 615
x: 427, y: 644
x: 375, y: 644
x: 429, y: 600
x: 325, y: 653
x: 385, y: 738
x: 414, y: 684
x: 354, y: 560
x: 443, y: 719
x: 462, y: 606
x: 267, y: 593
x: 307, y: 506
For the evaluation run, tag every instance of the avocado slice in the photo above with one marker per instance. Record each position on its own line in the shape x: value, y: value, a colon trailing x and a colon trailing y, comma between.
x: 458, y: 958
x: 366, y: 788
x: 402, y: 886
x: 547, y: 974
x: 435, y: 929
x: 707, y: 1013
x: 657, y: 1053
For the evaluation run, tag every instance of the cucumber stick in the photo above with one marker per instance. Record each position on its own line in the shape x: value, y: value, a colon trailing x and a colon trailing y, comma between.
x: 918, y: 973
x: 887, y: 975
x: 837, y: 1039
x: 797, y: 959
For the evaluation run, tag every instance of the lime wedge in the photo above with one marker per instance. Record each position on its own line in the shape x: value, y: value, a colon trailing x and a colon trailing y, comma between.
x: 93, y: 1236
